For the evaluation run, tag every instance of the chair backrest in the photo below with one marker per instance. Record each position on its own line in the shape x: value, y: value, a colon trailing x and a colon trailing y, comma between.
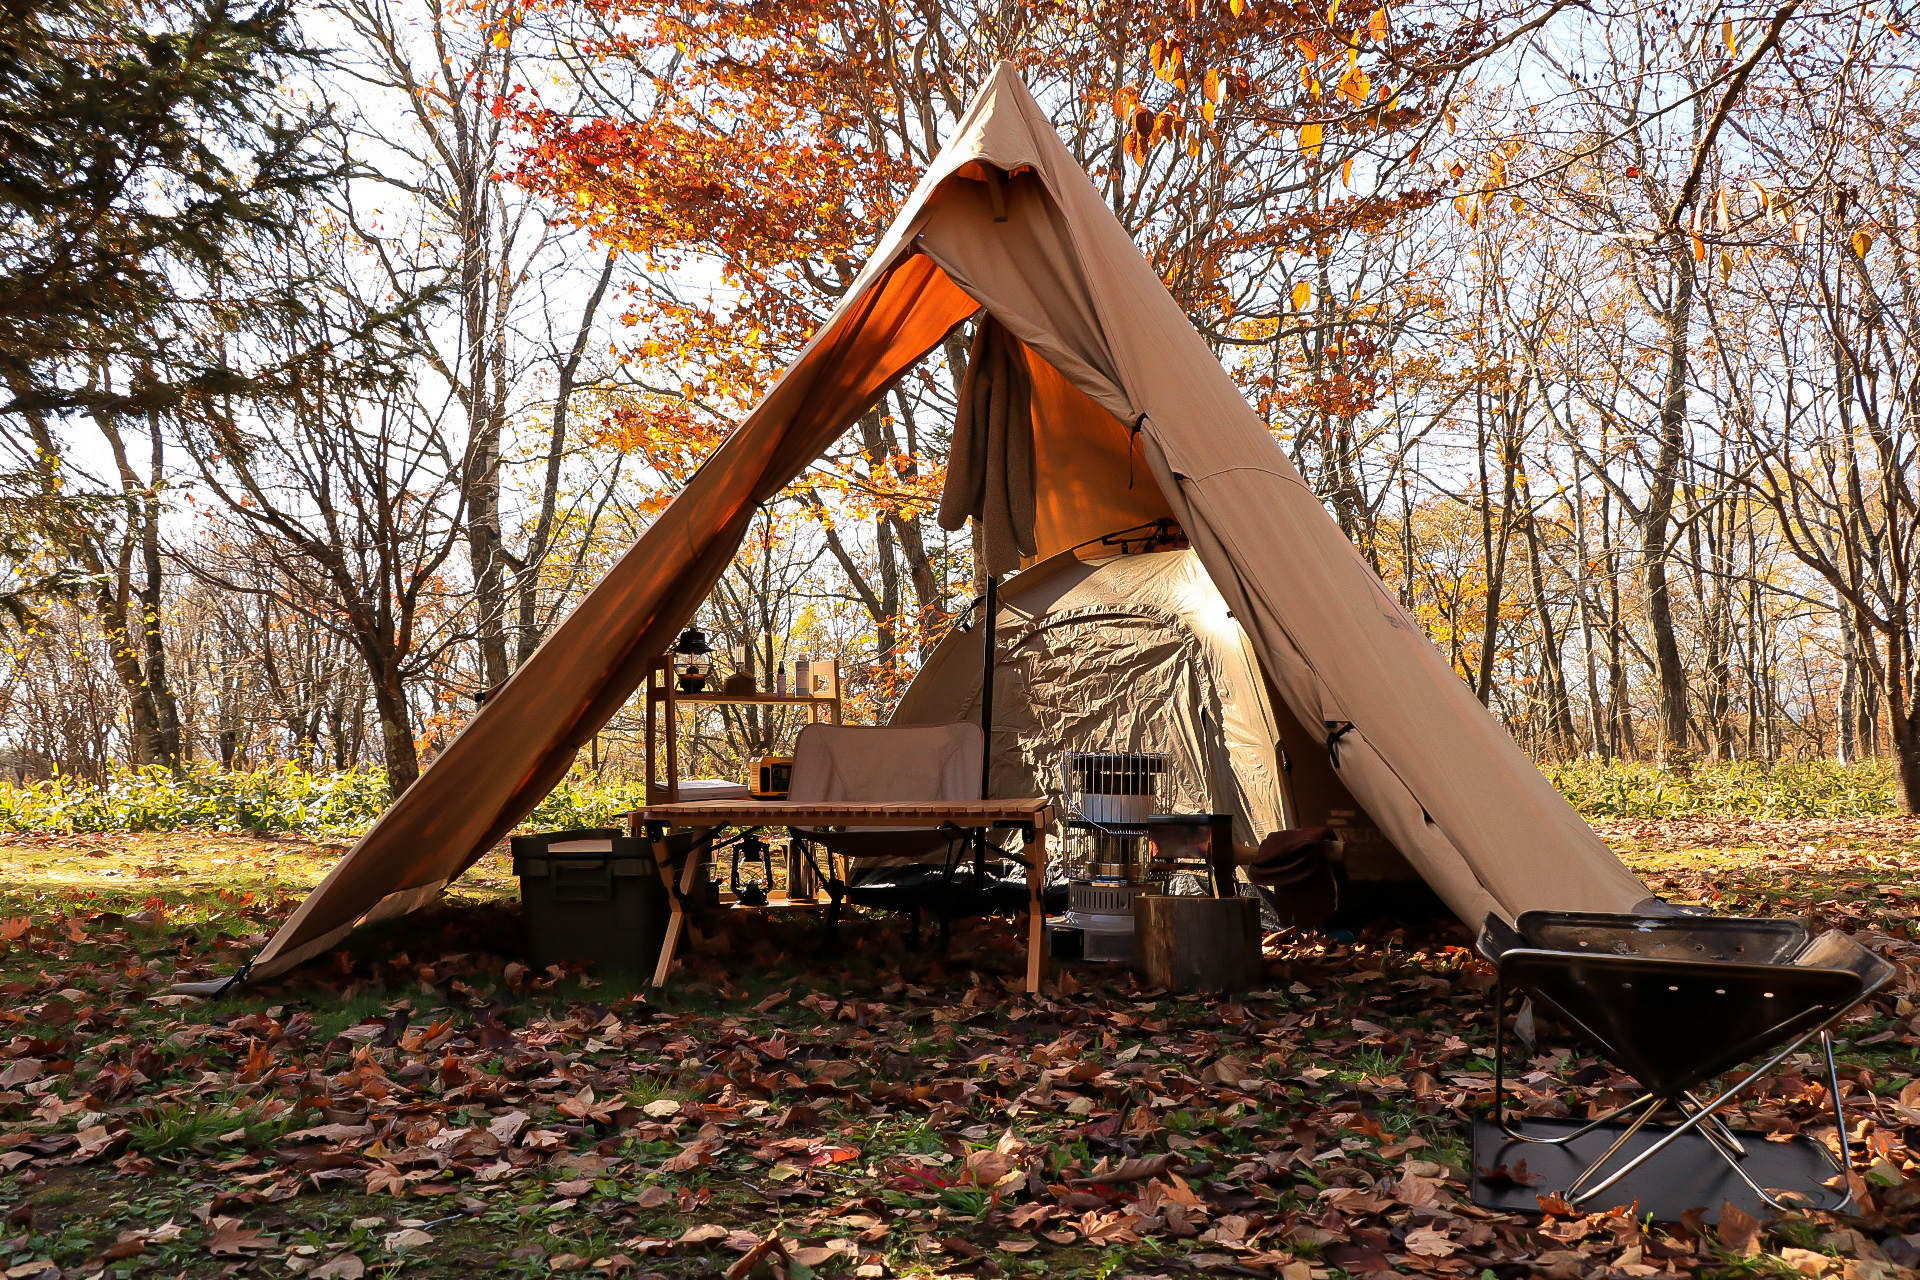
x: 908, y: 762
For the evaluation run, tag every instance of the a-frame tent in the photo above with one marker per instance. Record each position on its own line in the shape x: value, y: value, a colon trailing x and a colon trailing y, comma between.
x: 1133, y: 419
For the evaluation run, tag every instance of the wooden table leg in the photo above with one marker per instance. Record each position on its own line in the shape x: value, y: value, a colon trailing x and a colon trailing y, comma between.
x: 1036, y: 914
x: 677, y: 921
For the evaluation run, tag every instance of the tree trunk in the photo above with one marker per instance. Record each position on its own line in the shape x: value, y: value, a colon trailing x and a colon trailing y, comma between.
x: 396, y: 732
x: 567, y: 371
x: 1565, y: 738
x: 1848, y: 729
x: 1494, y: 544
x: 1658, y: 517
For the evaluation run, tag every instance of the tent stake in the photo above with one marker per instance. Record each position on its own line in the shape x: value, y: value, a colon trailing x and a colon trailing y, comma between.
x: 992, y: 608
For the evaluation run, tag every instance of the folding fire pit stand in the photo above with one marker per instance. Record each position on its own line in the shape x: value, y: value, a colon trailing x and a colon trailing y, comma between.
x: 1675, y: 1002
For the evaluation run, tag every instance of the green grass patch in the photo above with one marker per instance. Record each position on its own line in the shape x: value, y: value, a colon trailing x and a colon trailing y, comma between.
x: 1746, y: 788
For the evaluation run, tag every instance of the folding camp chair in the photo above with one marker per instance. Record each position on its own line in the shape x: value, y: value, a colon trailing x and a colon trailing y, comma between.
x: 1676, y: 1001
x: 947, y: 871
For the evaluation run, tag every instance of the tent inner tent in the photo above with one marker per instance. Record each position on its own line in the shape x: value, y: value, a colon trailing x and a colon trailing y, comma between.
x: 1098, y: 651
x: 1121, y: 415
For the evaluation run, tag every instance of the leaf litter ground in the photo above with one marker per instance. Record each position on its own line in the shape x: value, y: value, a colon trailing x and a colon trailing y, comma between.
x: 421, y: 1103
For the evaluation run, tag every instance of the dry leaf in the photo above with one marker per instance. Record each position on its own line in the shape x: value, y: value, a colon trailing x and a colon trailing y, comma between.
x: 233, y: 1240
x: 1739, y: 1230
x: 1138, y: 1169
x: 1429, y: 1243
x: 406, y: 1238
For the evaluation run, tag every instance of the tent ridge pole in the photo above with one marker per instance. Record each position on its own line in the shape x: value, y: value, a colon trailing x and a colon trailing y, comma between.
x: 992, y: 620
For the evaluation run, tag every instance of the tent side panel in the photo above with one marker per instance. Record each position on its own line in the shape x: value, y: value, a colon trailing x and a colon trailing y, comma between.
x: 523, y: 740
x: 1438, y: 774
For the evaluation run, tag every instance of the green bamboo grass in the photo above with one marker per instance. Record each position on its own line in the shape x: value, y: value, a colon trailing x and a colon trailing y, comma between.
x: 288, y: 799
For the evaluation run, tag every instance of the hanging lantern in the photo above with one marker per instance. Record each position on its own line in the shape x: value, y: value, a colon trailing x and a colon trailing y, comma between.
x: 692, y: 660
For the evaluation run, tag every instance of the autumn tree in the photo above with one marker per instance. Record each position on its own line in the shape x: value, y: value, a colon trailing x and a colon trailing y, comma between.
x: 136, y: 142
x: 764, y: 148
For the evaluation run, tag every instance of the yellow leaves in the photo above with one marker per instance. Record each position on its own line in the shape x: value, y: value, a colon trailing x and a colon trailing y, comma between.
x: 1377, y: 26
x: 1468, y: 208
x: 502, y: 38
x: 1237, y: 7
x: 1302, y: 296
x: 1861, y: 243
x: 1354, y: 86
x: 1149, y: 129
x: 1213, y: 92
x: 1699, y: 246
x: 1311, y: 136
x: 1333, y: 12
x: 1727, y: 36
x: 1307, y: 48
x: 1311, y: 81
x: 1726, y: 265
x: 1165, y: 58
x: 1346, y: 173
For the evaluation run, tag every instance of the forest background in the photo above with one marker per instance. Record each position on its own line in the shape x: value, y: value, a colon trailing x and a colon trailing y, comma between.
x: 347, y: 345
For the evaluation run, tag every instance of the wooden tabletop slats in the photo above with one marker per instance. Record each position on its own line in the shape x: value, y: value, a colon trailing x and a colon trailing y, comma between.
x: 1037, y: 811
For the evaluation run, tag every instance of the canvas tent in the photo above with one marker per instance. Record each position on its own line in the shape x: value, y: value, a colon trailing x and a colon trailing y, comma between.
x: 1100, y: 650
x: 1133, y: 419
x: 1117, y: 653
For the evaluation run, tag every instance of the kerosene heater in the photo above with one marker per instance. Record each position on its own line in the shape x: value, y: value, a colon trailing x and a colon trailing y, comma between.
x: 1108, y: 796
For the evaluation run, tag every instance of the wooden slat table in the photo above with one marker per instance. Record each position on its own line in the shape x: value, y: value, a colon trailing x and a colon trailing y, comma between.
x: 1034, y: 816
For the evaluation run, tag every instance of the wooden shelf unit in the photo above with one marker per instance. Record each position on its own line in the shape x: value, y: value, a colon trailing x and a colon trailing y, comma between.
x: 663, y: 704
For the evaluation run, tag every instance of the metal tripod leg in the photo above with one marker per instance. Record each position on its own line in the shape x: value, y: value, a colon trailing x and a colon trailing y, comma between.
x: 1695, y: 1120
x: 1500, y: 1093
x: 1713, y: 1127
x: 1646, y: 1114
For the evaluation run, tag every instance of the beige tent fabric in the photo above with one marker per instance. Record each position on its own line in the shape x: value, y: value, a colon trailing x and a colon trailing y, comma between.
x: 1117, y: 653
x: 1432, y: 768
x: 1090, y: 473
x: 916, y: 762
x: 990, y: 462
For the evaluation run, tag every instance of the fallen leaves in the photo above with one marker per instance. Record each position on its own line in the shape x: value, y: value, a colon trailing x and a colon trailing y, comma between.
x: 1099, y: 1116
x: 227, y: 1237
x: 406, y: 1238
x: 1135, y: 1169
x: 1429, y: 1243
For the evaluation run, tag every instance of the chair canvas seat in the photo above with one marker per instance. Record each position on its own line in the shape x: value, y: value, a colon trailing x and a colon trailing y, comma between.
x: 833, y: 762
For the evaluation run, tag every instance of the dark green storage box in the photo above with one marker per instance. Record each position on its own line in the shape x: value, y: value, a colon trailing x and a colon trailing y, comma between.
x: 604, y: 903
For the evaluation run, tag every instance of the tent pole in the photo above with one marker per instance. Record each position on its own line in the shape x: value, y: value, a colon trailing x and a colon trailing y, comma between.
x: 992, y: 620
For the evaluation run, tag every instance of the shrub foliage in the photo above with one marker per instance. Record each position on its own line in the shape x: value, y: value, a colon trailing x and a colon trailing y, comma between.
x: 286, y: 798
